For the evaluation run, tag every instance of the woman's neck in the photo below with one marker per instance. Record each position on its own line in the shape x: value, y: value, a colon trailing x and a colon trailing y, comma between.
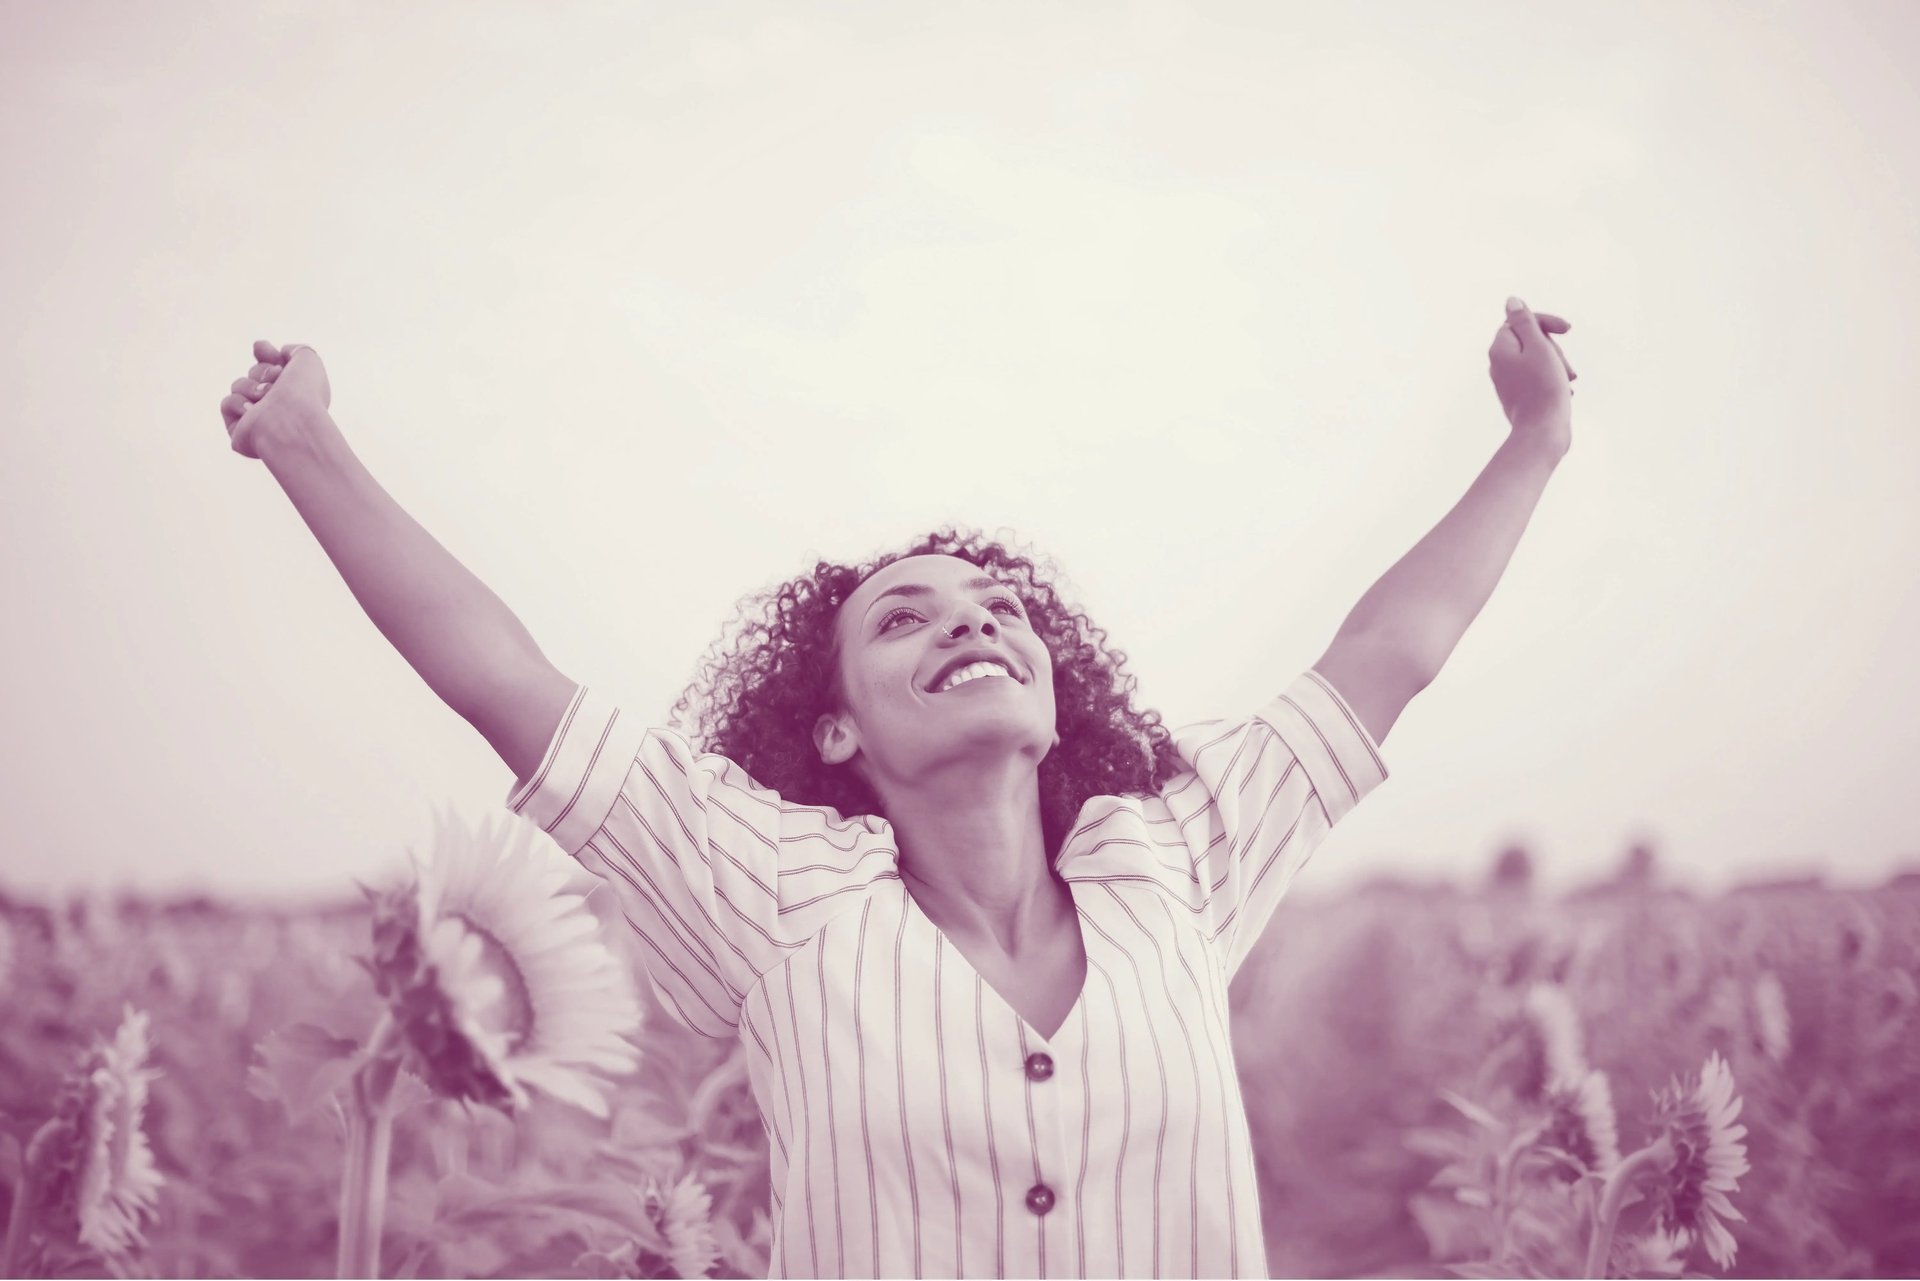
x: 975, y: 860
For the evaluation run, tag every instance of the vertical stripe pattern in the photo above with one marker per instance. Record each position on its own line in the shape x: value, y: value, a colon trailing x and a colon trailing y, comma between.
x: 918, y: 1125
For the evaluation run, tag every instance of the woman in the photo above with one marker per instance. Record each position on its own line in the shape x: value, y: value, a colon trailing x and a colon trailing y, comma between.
x: 971, y: 915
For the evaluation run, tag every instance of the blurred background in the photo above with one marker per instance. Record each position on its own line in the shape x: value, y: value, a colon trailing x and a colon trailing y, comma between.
x: 643, y: 308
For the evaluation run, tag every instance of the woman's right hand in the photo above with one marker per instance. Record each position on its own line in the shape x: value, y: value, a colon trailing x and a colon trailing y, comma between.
x: 281, y: 388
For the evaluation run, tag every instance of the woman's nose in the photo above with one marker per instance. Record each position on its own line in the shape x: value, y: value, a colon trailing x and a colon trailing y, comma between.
x: 958, y: 620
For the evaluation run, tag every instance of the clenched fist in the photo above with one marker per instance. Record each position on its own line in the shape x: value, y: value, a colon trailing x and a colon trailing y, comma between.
x: 1531, y: 374
x: 281, y: 387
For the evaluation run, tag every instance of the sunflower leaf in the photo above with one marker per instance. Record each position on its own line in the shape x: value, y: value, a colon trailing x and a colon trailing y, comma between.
x: 1471, y: 1110
x: 1441, y: 1145
x: 606, y: 1264
x: 1453, y: 1231
x: 300, y: 1066
x: 469, y: 1205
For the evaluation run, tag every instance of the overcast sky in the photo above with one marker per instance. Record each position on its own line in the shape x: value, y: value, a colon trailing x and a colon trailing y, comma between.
x: 640, y: 308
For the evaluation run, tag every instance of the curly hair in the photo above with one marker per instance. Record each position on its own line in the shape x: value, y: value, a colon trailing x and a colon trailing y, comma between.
x: 756, y: 705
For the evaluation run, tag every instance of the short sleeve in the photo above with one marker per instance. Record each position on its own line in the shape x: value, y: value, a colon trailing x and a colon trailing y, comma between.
x: 1262, y: 795
x: 718, y: 876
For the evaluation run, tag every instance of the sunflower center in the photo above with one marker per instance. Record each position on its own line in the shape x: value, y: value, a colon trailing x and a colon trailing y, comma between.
x: 1689, y: 1177
x: 512, y: 1015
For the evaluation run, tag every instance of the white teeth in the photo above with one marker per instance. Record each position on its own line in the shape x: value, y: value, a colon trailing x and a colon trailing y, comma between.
x: 970, y: 672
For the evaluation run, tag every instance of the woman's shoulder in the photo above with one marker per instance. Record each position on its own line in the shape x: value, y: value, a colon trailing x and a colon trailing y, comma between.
x: 730, y: 776
x: 1120, y: 822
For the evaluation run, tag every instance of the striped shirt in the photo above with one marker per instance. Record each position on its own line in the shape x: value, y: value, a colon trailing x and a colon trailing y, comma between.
x: 917, y: 1126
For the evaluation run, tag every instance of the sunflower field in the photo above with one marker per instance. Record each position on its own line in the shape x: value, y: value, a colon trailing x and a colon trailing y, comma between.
x: 1440, y: 1081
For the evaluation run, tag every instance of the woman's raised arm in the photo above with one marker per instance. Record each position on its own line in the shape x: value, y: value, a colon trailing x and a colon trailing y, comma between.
x: 464, y: 642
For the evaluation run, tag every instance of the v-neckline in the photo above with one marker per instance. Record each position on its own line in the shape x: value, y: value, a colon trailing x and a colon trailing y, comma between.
x: 913, y: 907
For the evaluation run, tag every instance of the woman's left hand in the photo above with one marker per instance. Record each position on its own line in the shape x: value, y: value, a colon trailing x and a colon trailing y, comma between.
x: 1531, y: 374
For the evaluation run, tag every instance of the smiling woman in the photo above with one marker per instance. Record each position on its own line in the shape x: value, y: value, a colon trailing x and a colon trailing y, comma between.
x: 979, y: 934
x: 974, y: 937
x: 758, y: 704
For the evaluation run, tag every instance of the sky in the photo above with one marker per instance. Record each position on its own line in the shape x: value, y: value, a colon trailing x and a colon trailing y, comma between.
x: 641, y: 309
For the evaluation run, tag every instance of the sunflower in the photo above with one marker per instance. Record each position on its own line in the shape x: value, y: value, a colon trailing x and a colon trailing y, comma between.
x: 1537, y: 1043
x: 1656, y: 1253
x: 684, y: 1215
x: 1580, y: 1122
x: 1770, y: 1013
x: 1550, y: 1012
x: 1710, y: 1156
x: 98, y: 1177
x: 496, y: 978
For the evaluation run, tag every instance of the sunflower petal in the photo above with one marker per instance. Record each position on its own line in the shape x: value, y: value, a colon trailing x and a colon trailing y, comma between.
x: 513, y: 976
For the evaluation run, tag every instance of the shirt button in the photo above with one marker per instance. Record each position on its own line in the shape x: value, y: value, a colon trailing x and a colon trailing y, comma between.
x: 1039, y: 1198
x: 1039, y: 1066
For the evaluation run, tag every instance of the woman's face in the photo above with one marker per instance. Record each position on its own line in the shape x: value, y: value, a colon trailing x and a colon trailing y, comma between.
x: 896, y: 654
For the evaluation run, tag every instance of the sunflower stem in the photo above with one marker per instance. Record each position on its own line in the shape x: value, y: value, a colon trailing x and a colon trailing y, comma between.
x: 1619, y: 1183
x: 20, y: 1218
x: 363, y: 1183
x: 23, y: 1194
x: 1503, y: 1184
x: 352, y: 1194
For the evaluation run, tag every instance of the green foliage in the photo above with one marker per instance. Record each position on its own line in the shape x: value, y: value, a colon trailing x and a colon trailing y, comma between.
x: 1364, y: 1028
x: 300, y: 1067
x: 1356, y: 1016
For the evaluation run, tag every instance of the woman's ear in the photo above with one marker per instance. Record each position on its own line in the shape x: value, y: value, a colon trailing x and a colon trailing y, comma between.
x: 833, y: 740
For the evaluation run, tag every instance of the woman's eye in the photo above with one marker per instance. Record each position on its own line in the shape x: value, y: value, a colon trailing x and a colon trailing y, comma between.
x: 1013, y: 609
